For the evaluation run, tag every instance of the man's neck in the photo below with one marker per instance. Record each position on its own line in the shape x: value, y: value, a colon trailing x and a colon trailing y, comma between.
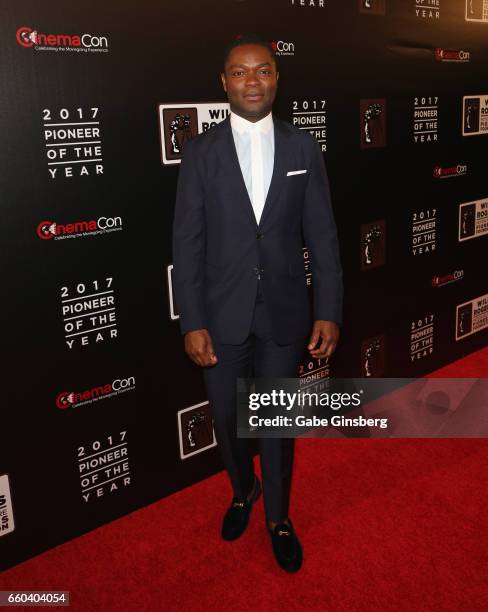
x: 251, y: 118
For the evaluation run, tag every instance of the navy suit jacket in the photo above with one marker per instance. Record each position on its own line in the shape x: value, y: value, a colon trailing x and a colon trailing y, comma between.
x: 219, y: 249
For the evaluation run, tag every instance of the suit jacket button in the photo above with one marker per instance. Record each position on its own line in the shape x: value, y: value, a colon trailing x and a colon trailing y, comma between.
x: 259, y: 235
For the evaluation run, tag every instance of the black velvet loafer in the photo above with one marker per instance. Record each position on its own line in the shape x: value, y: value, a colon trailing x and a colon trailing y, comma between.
x: 286, y: 547
x: 237, y: 516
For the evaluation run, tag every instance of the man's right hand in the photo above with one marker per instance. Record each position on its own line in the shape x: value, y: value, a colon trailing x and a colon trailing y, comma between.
x: 199, y: 348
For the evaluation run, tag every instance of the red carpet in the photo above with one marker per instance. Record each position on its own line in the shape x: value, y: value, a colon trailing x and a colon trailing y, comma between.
x: 385, y: 524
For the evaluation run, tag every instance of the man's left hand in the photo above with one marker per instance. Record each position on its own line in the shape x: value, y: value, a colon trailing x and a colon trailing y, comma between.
x: 328, y: 333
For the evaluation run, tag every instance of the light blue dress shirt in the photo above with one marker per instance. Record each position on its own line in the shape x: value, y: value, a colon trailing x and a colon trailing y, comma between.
x: 242, y: 138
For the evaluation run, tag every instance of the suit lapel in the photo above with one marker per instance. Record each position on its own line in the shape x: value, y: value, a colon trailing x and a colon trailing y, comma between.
x: 235, y: 174
x: 278, y: 178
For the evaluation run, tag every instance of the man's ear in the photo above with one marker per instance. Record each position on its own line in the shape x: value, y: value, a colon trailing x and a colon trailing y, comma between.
x: 224, y: 85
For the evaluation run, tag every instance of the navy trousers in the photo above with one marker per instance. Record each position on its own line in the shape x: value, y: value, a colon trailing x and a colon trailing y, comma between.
x: 258, y: 356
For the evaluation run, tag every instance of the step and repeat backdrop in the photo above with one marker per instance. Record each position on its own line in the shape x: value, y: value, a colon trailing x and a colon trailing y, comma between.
x: 102, y: 411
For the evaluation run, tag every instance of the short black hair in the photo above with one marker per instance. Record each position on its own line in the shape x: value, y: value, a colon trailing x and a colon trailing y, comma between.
x: 250, y: 39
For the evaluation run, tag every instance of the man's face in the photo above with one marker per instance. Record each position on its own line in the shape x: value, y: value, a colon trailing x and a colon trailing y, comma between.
x: 250, y: 80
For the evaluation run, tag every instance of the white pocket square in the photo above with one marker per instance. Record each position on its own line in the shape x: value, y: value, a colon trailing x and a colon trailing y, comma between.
x: 292, y: 172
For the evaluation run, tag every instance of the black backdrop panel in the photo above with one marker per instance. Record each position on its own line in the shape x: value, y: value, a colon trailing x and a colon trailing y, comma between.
x: 103, y: 412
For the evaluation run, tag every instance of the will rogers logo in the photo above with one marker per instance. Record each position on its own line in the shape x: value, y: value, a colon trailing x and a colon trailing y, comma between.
x: 28, y: 37
x: 438, y: 281
x: 451, y: 55
x: 458, y: 170
x: 72, y: 399
x: 47, y: 230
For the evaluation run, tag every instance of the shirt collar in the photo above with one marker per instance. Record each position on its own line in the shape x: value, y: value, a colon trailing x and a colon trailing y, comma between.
x: 242, y: 125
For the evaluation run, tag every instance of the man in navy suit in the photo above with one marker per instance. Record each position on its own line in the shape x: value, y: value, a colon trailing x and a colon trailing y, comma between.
x: 252, y: 191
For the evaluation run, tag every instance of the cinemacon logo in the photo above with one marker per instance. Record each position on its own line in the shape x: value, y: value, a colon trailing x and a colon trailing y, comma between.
x: 438, y: 281
x: 451, y: 55
x: 459, y: 170
x: 280, y: 47
x: 68, y: 399
x: 27, y: 37
x: 50, y: 229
